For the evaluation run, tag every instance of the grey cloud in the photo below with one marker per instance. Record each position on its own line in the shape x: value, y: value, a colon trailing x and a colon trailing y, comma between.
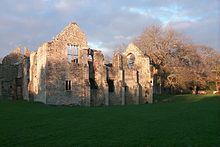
x: 204, y: 31
x: 31, y: 23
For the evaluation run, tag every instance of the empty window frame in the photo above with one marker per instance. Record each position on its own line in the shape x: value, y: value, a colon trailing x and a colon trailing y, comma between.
x: 131, y: 60
x: 72, y: 53
x: 68, y: 85
x: 69, y: 52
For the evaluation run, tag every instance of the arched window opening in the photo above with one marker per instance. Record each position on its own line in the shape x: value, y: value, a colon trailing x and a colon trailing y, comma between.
x: 130, y: 61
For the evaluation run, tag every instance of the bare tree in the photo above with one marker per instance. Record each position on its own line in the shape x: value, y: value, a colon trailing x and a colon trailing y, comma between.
x: 180, y: 63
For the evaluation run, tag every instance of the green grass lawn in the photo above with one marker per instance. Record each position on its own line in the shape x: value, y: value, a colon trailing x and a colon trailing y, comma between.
x: 182, y: 120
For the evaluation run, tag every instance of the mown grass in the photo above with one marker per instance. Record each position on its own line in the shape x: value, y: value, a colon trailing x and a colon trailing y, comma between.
x: 182, y: 120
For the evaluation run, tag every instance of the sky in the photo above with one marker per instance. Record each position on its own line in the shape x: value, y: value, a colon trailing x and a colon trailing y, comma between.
x: 106, y: 23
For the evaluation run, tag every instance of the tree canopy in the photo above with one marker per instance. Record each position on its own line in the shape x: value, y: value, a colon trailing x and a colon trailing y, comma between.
x: 181, y: 64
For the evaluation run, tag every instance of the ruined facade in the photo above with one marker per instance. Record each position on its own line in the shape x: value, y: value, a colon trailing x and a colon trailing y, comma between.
x: 65, y: 71
x: 11, y: 75
x: 131, y: 77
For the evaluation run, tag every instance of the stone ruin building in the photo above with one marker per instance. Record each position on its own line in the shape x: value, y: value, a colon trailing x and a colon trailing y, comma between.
x: 65, y: 71
x: 11, y: 75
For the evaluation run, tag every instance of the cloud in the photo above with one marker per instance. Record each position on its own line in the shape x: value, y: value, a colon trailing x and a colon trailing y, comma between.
x: 106, y: 23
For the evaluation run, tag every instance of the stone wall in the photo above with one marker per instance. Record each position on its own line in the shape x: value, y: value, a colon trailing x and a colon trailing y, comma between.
x: 65, y: 71
x: 11, y: 75
x: 54, y: 79
x: 57, y: 77
x: 33, y: 84
x: 132, y: 78
x: 8, y: 74
x: 26, y: 79
x: 37, y: 85
x: 100, y: 94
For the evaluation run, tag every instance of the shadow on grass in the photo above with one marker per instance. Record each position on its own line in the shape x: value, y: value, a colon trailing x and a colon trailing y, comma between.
x: 165, y: 98
x: 158, y: 99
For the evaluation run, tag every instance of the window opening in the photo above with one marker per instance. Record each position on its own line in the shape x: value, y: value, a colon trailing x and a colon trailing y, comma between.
x: 68, y: 85
x: 73, y: 53
x: 131, y: 59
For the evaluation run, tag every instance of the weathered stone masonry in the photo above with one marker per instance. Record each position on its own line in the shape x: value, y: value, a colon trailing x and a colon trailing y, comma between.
x: 65, y: 71
x: 12, y: 76
x: 131, y: 77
